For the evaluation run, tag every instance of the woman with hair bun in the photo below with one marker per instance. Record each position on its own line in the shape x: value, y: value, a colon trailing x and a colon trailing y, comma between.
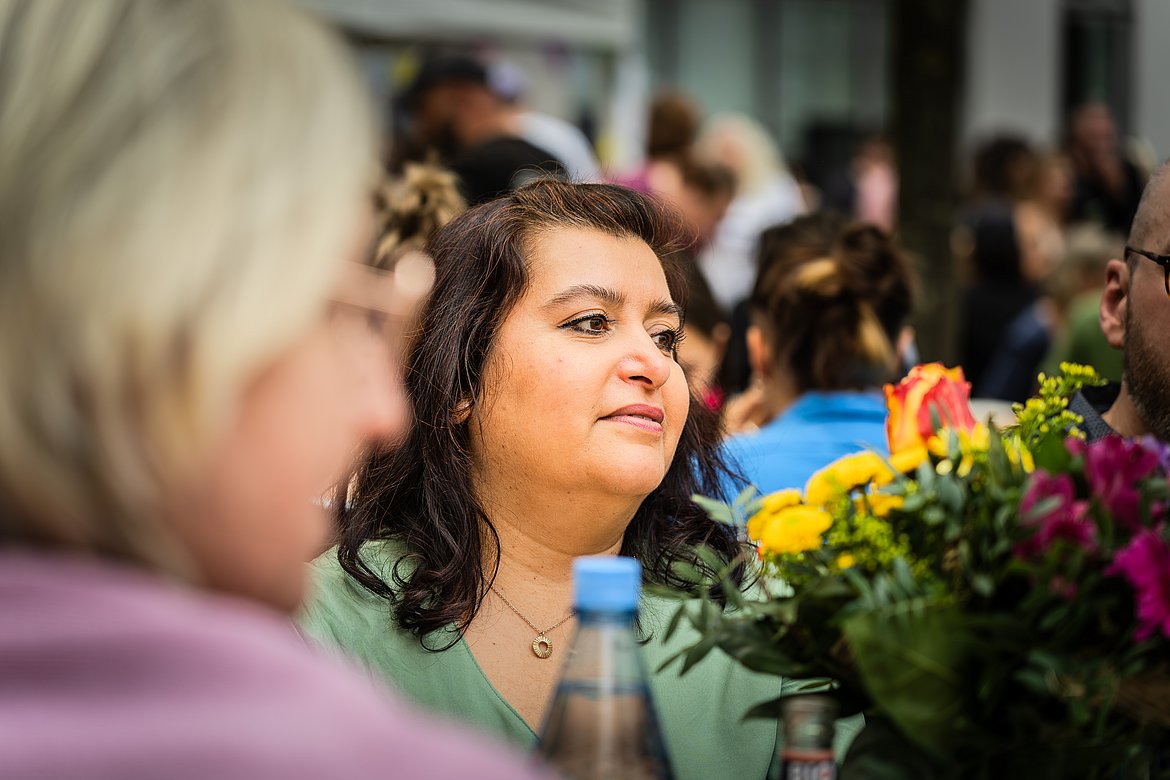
x: 829, y: 313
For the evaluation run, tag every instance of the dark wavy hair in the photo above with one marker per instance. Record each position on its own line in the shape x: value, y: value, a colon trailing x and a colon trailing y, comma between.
x: 420, y: 492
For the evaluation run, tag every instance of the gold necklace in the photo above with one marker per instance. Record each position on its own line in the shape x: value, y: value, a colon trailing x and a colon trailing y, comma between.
x: 542, y: 645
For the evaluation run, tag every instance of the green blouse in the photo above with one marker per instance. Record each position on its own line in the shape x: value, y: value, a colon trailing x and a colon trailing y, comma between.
x: 700, y: 712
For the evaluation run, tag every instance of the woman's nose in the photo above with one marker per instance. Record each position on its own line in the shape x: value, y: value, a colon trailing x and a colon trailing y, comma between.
x: 646, y: 363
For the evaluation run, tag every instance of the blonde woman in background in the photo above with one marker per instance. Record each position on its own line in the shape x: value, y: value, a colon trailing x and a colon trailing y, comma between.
x: 185, y: 357
x: 766, y: 194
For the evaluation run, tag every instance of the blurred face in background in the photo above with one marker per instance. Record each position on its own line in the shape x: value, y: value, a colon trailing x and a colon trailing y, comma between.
x: 250, y: 518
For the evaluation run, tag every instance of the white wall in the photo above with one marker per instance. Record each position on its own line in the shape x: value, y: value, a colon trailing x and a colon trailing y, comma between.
x: 1151, y: 68
x: 715, y: 45
x: 1013, y: 69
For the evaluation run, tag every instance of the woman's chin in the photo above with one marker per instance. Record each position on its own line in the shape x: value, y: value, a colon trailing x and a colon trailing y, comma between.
x: 632, y: 480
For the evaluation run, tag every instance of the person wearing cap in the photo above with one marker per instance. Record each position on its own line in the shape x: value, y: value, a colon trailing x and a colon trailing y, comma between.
x: 563, y: 139
x: 458, y: 117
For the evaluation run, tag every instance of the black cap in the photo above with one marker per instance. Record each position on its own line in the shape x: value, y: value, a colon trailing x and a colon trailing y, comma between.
x: 443, y: 69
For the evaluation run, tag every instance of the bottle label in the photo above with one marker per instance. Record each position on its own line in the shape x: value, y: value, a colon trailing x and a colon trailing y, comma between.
x: 808, y: 765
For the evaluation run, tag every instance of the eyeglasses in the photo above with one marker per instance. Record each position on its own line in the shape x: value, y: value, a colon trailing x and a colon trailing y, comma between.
x: 1162, y: 260
x: 373, y: 310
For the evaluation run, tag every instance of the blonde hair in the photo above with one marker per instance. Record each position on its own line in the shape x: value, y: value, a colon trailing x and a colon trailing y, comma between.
x: 756, y: 158
x: 412, y: 209
x: 177, y: 183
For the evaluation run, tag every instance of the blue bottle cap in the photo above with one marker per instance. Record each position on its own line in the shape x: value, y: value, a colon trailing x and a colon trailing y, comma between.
x: 606, y: 583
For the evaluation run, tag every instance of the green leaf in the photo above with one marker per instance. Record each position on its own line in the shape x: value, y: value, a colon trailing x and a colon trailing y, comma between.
x: 716, y: 510
x: 1050, y: 454
x: 912, y: 663
x: 982, y: 584
x: 696, y: 653
x: 771, y: 709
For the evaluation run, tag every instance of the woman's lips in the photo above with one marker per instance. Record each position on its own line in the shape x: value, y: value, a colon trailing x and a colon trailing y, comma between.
x: 641, y: 416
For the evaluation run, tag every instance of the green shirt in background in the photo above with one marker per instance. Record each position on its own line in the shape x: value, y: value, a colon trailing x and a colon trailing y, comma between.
x: 700, y: 713
x: 1083, y: 342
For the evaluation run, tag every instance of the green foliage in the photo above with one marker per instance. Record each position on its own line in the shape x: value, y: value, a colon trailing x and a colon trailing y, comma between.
x: 922, y: 609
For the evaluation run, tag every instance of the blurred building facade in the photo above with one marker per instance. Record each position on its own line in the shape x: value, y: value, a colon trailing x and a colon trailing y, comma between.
x: 815, y: 72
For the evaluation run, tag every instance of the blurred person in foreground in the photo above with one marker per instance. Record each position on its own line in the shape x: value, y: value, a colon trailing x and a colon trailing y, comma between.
x: 553, y: 421
x: 187, y: 354
x: 829, y: 313
x: 1135, y: 318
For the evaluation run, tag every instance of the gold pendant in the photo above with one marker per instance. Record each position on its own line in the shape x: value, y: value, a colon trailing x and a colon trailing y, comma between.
x: 542, y: 646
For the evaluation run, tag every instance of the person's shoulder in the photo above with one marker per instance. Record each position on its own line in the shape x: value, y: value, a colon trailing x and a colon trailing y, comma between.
x: 145, y: 678
x: 341, y: 612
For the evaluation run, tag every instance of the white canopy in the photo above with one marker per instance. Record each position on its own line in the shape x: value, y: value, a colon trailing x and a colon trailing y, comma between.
x: 607, y: 23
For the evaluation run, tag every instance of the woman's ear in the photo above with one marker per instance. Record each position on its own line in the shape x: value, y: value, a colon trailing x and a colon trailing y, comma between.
x: 1114, y: 300
x: 759, y: 354
x: 461, y: 412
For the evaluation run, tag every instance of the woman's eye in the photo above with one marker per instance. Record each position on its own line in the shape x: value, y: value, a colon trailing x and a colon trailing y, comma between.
x: 667, y: 340
x: 591, y: 323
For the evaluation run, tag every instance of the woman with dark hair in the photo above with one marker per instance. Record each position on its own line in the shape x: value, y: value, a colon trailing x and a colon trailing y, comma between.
x: 553, y: 421
x: 829, y: 312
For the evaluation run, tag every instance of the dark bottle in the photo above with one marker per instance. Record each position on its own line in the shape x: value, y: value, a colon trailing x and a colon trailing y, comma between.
x: 808, y: 738
x: 602, y: 725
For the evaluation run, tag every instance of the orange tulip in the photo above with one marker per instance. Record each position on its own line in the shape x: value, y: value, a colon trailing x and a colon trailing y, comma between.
x: 931, y: 398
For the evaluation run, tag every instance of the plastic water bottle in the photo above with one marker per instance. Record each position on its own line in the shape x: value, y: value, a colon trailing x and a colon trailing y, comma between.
x: 602, y: 725
x: 808, y: 738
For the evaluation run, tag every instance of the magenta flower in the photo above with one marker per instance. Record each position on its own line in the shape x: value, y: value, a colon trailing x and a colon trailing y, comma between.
x: 1067, y: 520
x: 1160, y: 449
x: 1145, y: 563
x: 1113, y: 467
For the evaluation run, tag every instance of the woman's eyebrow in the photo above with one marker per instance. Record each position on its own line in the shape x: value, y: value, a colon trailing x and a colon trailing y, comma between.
x: 606, y: 295
x: 588, y: 291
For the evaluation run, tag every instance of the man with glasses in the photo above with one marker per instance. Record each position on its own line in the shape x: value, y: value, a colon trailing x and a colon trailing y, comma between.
x: 1135, y: 317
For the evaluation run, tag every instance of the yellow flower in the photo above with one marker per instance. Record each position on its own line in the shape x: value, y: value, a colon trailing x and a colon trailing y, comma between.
x: 842, y: 475
x: 774, y: 502
x: 769, y: 507
x: 845, y: 561
x: 881, y: 504
x: 908, y: 460
x: 795, y: 529
x: 1019, y: 455
x: 819, y: 490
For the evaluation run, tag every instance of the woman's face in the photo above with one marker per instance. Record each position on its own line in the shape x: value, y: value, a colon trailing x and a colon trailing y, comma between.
x: 252, y: 518
x: 582, y: 390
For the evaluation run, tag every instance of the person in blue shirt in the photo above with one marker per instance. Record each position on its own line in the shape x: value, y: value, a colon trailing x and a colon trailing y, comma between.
x: 829, y: 312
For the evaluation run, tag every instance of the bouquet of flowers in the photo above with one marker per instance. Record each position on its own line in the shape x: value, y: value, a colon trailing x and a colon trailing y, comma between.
x: 994, y: 602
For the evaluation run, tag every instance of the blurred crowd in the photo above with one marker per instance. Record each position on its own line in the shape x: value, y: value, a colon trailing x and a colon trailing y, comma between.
x: 493, y: 353
x: 1030, y: 242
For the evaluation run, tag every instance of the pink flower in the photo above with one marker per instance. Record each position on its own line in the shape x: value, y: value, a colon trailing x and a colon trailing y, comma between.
x: 1145, y: 562
x: 1113, y: 467
x: 1066, y: 520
